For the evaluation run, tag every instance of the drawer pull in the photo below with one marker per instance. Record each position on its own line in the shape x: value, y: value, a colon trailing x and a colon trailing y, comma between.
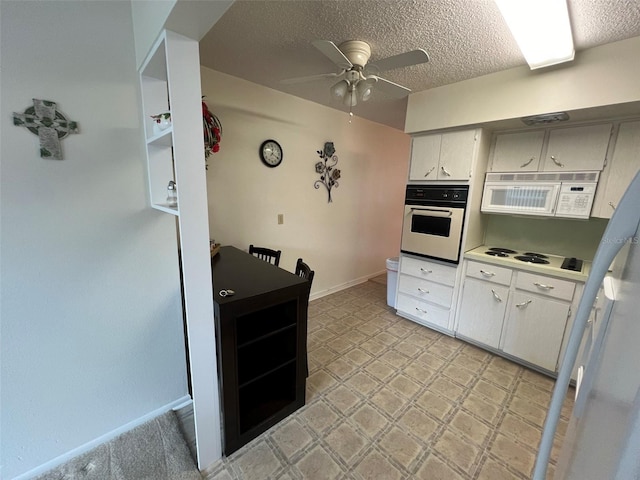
x: 523, y: 304
x: 487, y: 274
x: 427, y: 174
x: 495, y: 295
x: 422, y: 290
x: 612, y: 205
x: 421, y: 310
x: 543, y: 286
x: 527, y: 162
x: 560, y: 164
x: 424, y: 270
x: 444, y: 170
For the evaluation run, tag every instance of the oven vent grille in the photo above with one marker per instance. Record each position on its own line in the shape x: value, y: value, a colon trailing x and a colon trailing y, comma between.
x: 544, y: 177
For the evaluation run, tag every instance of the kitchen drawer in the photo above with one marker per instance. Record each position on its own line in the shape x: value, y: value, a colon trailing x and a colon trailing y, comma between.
x: 490, y: 273
x: 549, y: 286
x: 425, y: 290
x: 426, y: 312
x: 431, y: 271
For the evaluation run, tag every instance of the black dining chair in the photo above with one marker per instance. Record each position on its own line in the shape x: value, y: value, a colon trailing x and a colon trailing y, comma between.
x: 303, y: 271
x: 266, y: 254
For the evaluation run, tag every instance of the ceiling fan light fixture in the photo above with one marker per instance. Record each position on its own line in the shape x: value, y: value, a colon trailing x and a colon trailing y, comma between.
x: 351, y: 98
x: 339, y: 90
x: 364, y: 89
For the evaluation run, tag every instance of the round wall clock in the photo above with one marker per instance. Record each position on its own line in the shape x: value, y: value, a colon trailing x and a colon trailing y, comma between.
x: 271, y: 153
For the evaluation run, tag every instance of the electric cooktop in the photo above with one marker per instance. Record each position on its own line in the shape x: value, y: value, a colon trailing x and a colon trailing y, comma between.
x: 530, y: 258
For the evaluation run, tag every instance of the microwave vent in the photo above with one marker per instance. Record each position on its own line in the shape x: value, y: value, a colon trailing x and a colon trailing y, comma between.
x: 543, y: 177
x: 545, y: 118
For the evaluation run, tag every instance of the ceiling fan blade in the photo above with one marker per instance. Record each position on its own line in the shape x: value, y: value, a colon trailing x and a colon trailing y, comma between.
x: 390, y: 88
x: 406, y: 59
x: 310, y: 78
x: 333, y: 53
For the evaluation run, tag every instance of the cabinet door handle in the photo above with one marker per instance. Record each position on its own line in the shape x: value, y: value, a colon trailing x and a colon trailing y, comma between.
x: 523, y: 304
x: 487, y: 274
x: 431, y: 170
x: 612, y: 205
x: 527, y: 162
x: 422, y: 290
x: 423, y: 270
x: 495, y: 295
x: 421, y: 310
x: 444, y: 170
x: 560, y: 164
x: 543, y: 286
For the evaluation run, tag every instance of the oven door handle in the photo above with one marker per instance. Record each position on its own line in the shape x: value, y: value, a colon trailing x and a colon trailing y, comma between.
x: 432, y: 212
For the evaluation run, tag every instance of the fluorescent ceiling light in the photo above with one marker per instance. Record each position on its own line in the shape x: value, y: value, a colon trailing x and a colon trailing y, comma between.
x: 541, y: 28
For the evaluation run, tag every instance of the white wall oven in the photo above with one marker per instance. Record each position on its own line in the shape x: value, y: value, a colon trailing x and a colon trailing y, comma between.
x: 433, y: 221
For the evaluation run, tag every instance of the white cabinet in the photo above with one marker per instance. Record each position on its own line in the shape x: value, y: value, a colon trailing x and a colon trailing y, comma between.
x: 522, y: 314
x: 537, y: 317
x: 485, y: 292
x: 443, y: 156
x: 517, y: 151
x: 577, y: 148
x: 534, y: 329
x: 569, y: 149
x: 425, y: 292
x: 622, y: 167
x: 482, y: 311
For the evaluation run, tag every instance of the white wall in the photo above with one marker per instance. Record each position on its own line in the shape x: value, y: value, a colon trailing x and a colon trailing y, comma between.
x: 344, y: 241
x: 186, y: 17
x: 92, y: 336
x: 604, y: 75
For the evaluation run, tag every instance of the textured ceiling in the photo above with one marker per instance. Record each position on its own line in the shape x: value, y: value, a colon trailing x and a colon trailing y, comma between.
x: 266, y: 41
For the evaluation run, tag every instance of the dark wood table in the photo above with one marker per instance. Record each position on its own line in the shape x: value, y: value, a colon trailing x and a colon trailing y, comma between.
x: 261, y: 333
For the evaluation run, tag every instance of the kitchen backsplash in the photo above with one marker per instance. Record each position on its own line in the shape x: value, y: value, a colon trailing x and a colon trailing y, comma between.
x: 570, y: 238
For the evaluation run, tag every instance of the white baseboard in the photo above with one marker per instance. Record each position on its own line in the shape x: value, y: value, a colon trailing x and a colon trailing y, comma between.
x: 344, y: 286
x: 45, y: 467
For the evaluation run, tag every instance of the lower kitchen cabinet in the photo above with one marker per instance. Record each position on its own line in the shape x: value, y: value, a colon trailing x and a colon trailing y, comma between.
x: 425, y: 292
x: 534, y: 329
x: 521, y: 314
x: 482, y: 311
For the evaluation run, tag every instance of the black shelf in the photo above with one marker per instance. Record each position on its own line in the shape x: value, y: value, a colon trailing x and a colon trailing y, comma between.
x: 257, y: 324
x: 261, y: 338
x: 260, y: 357
x: 265, y: 397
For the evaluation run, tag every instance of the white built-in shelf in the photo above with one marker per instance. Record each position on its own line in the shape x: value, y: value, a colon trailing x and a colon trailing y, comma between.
x: 162, y: 139
x: 154, y: 85
x: 166, y: 208
x: 177, y: 154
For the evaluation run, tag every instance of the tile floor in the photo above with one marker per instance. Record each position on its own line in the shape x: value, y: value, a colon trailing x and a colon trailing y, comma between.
x: 389, y: 399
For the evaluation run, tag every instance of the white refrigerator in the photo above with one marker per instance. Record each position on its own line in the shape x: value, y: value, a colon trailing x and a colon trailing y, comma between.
x: 603, y: 438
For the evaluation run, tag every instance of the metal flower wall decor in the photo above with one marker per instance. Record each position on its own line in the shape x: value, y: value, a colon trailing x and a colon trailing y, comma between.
x: 329, y: 175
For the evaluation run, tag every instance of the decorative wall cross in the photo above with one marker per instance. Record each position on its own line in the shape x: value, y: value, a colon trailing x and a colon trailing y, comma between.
x: 49, y: 124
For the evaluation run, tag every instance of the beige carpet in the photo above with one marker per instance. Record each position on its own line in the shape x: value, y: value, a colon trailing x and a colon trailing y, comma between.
x: 389, y: 399
x: 155, y: 450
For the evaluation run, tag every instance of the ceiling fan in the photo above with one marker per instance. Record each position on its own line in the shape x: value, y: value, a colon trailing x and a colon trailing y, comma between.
x: 357, y: 77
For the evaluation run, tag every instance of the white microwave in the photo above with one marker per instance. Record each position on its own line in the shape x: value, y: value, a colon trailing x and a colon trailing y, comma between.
x: 552, y: 194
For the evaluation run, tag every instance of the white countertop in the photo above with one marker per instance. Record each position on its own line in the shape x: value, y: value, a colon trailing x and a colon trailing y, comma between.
x: 553, y: 268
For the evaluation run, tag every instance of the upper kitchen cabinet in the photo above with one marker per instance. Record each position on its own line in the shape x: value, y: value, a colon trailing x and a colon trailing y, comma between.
x: 566, y: 149
x: 620, y: 170
x: 577, y: 148
x: 443, y: 156
x: 517, y: 151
